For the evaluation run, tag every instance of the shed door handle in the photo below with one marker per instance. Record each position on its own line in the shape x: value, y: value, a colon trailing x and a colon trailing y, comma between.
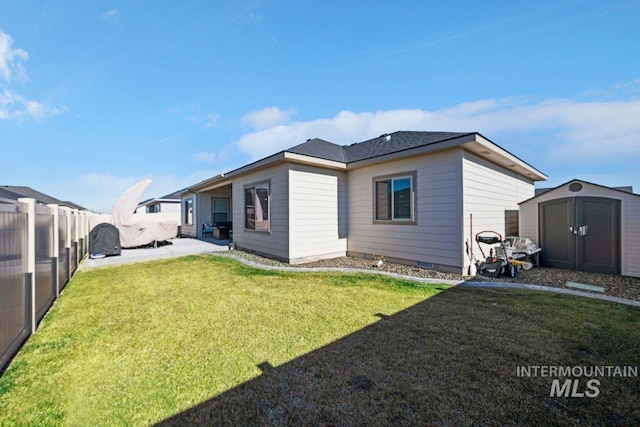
x: 579, y: 231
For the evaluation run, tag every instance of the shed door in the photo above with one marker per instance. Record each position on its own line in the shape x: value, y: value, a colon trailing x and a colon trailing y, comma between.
x: 599, y: 249
x: 558, y: 246
x: 581, y: 233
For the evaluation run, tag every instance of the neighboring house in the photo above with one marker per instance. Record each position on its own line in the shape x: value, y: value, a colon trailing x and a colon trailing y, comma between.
x: 168, y: 203
x: 165, y: 208
x: 585, y: 226
x: 8, y: 196
x: 16, y: 191
x: 161, y: 209
x: 405, y: 196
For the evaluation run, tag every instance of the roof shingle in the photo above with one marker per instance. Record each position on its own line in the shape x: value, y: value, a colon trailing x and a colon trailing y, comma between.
x: 380, y: 146
x: 11, y: 191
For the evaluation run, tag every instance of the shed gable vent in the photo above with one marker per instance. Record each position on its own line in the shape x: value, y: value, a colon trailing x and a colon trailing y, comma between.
x: 575, y: 187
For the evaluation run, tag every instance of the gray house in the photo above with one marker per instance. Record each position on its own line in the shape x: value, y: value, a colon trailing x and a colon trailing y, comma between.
x: 405, y: 196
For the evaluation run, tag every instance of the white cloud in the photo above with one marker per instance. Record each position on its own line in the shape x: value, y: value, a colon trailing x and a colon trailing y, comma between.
x: 100, y: 191
x: 204, y: 157
x: 212, y: 120
x: 584, y: 130
x: 11, y: 67
x: 14, y: 106
x: 111, y: 14
x: 267, y: 117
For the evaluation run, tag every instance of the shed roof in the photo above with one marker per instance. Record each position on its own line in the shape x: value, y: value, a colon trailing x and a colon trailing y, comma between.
x: 627, y: 190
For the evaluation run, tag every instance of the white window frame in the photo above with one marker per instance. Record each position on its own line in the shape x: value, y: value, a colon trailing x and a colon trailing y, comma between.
x: 214, y: 212
x: 188, y: 213
x: 245, y: 221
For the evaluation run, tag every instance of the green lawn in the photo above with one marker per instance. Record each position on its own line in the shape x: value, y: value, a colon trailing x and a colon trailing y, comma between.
x: 133, y: 345
x: 207, y: 340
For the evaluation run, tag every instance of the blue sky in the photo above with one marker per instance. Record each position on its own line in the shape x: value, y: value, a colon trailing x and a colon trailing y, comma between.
x: 97, y: 95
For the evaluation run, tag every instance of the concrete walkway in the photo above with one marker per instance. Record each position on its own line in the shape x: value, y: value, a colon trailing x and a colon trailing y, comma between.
x: 179, y: 247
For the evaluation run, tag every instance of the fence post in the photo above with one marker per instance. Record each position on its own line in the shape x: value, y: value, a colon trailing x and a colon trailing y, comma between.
x: 85, y: 233
x: 76, y: 233
x: 30, y: 207
x: 67, y: 239
x: 75, y: 238
x: 67, y: 217
x: 56, y: 247
x: 81, y: 235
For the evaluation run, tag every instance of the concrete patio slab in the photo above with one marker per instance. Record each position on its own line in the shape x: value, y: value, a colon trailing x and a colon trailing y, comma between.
x: 179, y: 247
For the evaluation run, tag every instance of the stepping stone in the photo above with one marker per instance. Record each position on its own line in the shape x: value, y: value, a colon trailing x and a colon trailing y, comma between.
x: 583, y: 286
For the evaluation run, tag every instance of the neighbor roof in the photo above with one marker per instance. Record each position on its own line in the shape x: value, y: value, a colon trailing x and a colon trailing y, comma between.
x: 12, y: 191
x: 172, y: 197
x: 7, y: 194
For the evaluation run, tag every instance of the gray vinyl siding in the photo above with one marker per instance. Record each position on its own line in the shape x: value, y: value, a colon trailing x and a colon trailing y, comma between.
x: 631, y: 236
x: 276, y: 242
x: 435, y: 237
x: 629, y: 224
x: 189, y: 230
x: 489, y: 191
x: 317, y: 213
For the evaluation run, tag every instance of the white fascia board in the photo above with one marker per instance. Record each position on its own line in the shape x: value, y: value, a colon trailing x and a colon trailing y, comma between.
x: 226, y: 178
x: 314, y: 161
x: 494, y: 153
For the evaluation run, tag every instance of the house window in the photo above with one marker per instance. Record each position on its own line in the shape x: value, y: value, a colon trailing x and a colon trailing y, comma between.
x: 220, y: 210
x: 153, y: 208
x: 188, y: 211
x: 394, y: 198
x: 256, y: 207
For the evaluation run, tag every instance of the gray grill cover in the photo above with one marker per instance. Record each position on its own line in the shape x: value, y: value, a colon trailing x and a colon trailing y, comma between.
x: 104, y: 239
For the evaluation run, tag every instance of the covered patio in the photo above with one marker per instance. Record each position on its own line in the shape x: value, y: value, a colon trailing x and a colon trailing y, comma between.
x: 208, y: 214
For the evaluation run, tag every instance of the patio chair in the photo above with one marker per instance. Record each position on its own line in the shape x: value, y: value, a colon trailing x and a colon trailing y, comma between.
x: 207, y: 228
